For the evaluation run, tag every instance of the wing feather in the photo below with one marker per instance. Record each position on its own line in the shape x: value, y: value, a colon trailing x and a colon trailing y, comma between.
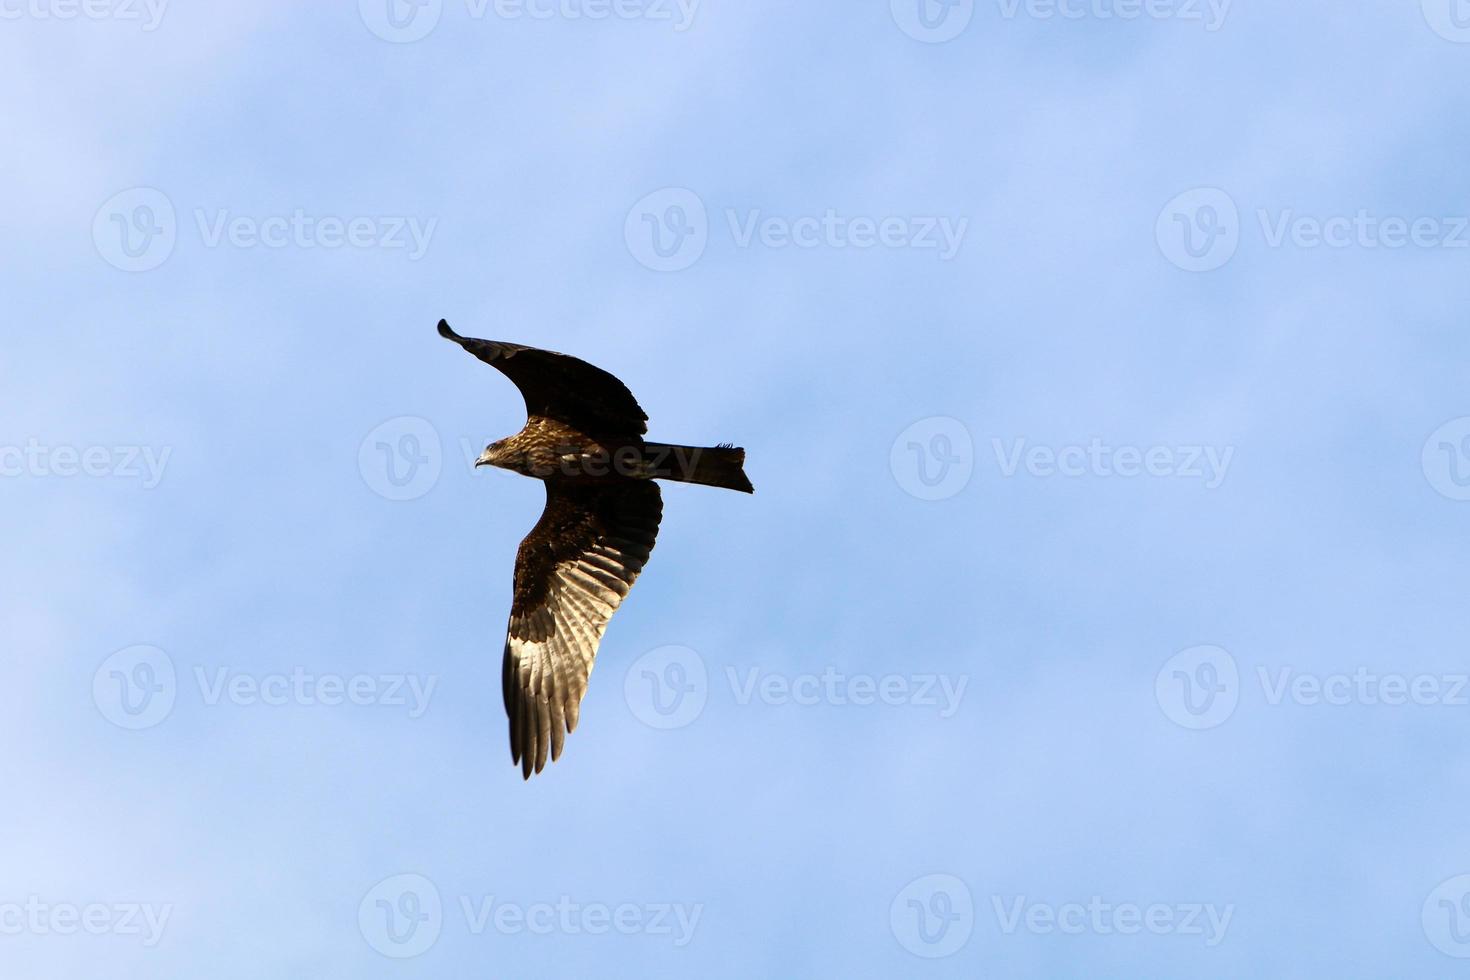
x: 572, y: 572
x: 560, y: 386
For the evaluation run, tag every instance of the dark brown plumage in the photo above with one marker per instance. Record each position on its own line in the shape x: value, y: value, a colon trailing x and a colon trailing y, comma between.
x: 583, y: 439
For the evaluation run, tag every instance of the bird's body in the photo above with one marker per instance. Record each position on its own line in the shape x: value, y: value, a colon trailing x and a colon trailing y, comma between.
x: 583, y: 439
x: 547, y: 449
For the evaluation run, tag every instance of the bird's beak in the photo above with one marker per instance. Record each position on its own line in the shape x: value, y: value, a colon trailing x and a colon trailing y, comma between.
x: 484, y: 459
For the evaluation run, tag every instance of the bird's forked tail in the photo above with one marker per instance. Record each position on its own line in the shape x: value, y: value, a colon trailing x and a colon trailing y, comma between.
x: 720, y: 466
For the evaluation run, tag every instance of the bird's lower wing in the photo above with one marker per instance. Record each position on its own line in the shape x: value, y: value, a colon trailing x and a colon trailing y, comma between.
x: 572, y: 572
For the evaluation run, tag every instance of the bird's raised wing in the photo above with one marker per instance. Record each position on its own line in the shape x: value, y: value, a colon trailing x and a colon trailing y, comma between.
x: 561, y: 387
x: 572, y: 572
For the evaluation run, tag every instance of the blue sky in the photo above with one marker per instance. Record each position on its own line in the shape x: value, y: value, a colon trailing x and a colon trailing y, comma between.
x: 1099, y: 612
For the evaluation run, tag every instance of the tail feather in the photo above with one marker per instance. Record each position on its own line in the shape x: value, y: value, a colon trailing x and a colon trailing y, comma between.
x: 719, y: 466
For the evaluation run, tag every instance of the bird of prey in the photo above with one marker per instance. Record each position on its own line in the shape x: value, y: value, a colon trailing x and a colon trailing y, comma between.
x: 583, y: 439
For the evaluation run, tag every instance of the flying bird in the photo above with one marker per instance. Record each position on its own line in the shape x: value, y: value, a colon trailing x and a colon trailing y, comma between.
x: 583, y: 439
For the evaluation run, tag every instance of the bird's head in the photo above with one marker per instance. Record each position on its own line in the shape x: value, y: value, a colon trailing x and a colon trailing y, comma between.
x: 496, y: 454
